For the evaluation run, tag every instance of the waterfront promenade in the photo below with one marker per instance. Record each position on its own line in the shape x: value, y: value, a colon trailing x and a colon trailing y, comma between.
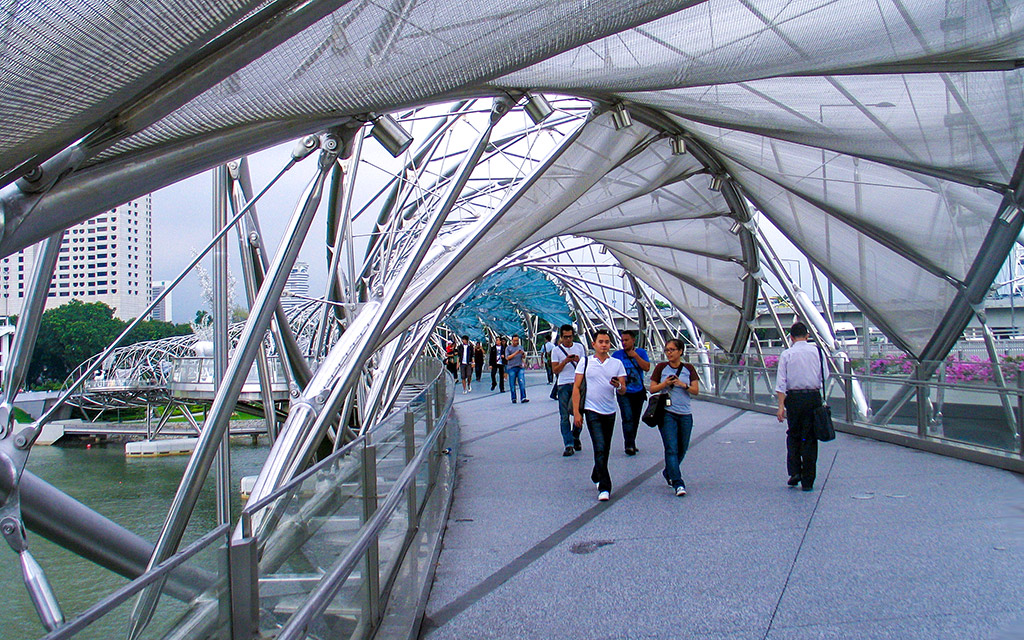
x: 893, y: 543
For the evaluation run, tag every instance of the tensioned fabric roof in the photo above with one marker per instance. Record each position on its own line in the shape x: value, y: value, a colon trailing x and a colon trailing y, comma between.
x: 882, y: 138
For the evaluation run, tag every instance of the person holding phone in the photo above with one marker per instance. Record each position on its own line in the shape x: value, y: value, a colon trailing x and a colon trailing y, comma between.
x: 679, y: 380
x: 605, y: 377
x: 565, y: 360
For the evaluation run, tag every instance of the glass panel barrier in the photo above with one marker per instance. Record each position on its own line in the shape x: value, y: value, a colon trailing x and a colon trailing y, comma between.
x: 193, y: 587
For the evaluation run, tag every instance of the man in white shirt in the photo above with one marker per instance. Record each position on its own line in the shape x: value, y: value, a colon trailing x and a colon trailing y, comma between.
x: 466, y: 364
x: 605, y: 377
x: 798, y: 388
x: 565, y: 360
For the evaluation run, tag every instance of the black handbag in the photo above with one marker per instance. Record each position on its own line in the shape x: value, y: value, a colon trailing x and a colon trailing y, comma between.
x: 655, y: 412
x: 824, y: 431
x: 654, y: 415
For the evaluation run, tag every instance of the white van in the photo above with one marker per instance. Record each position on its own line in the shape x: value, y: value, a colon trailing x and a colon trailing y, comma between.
x: 846, y: 334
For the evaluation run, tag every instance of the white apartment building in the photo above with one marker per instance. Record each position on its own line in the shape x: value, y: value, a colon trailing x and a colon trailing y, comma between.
x: 162, y: 311
x: 107, y: 259
x: 298, y: 284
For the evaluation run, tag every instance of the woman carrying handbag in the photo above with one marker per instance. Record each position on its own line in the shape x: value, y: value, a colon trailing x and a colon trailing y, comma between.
x: 679, y: 385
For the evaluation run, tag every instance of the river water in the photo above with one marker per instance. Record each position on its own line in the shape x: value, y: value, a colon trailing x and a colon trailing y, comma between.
x: 134, y: 492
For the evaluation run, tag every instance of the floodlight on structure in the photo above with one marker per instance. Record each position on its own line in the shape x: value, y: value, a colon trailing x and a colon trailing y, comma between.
x: 537, y: 107
x: 390, y: 135
x: 621, y: 117
x: 716, y: 183
x: 735, y: 228
x: 678, y: 143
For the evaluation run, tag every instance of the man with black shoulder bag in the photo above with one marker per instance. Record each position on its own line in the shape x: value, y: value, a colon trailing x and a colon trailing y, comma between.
x: 801, y: 378
x: 566, y: 355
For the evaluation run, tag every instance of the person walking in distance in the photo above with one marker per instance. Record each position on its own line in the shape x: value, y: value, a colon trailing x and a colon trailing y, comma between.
x: 798, y: 389
x: 478, y: 360
x: 679, y: 380
x: 631, y: 404
x: 516, y: 358
x: 497, y: 357
x: 549, y: 346
x: 466, y: 364
x: 565, y: 361
x: 605, y: 377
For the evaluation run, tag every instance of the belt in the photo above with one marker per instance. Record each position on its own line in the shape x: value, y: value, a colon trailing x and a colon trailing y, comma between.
x: 800, y: 391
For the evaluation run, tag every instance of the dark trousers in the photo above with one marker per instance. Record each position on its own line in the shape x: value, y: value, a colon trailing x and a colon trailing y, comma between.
x: 498, y: 377
x: 801, y: 445
x: 631, y: 406
x: 551, y: 374
x: 601, y: 426
x: 479, y: 369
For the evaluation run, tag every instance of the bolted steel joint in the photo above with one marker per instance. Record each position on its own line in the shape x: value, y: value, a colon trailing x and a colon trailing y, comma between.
x: 304, y: 147
x: 13, y: 533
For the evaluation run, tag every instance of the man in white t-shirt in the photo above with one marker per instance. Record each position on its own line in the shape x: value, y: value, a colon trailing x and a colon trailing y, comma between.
x: 564, y: 361
x: 605, y: 377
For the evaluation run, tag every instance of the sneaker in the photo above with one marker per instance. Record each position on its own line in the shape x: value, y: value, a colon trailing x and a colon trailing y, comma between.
x: 680, y: 490
x: 514, y: 401
x: 793, y: 480
x: 471, y: 387
x: 631, y: 451
x: 525, y: 400
x: 568, y: 452
x: 604, y: 496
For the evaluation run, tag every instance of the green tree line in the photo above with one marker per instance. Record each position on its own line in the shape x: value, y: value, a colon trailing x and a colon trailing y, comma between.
x: 72, y: 333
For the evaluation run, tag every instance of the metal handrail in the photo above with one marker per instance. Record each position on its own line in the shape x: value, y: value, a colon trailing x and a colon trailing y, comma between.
x: 328, y: 586
x: 121, y: 595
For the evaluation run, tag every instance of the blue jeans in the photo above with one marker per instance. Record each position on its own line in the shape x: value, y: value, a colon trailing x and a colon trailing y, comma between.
x: 631, y: 405
x: 565, y: 414
x: 601, y: 427
x: 675, y: 434
x: 517, y: 373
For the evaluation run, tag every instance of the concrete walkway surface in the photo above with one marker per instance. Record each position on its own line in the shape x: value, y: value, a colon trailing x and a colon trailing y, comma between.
x: 893, y: 543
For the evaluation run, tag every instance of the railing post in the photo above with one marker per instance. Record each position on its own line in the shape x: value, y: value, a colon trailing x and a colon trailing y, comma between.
x: 751, y: 381
x: 432, y: 456
x: 372, y: 571
x: 922, y: 409
x: 244, y: 587
x: 410, y: 453
x: 1020, y: 413
x: 848, y: 389
x: 718, y: 382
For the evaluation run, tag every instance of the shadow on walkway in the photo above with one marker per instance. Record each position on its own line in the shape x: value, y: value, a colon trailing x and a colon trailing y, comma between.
x: 892, y: 543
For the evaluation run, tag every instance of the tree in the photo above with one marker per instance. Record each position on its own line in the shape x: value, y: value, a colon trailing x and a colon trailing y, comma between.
x: 68, y: 336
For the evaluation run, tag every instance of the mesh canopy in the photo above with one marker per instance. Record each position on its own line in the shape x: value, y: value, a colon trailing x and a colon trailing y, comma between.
x: 502, y: 301
x: 880, y: 138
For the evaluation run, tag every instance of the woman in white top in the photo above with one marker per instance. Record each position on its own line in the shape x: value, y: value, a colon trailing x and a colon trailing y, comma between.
x: 605, y: 377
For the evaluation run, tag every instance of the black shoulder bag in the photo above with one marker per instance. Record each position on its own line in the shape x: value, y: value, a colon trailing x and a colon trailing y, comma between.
x: 654, y: 415
x: 823, y: 429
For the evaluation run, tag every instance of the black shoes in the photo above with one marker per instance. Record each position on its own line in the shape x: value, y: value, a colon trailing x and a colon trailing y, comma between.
x: 525, y: 400
x: 568, y: 452
x: 808, y: 486
x: 514, y: 401
x: 793, y: 480
x: 631, y: 451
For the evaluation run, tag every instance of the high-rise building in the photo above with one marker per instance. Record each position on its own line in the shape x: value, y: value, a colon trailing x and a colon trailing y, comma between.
x: 106, y: 259
x: 298, y: 284
x: 163, y: 310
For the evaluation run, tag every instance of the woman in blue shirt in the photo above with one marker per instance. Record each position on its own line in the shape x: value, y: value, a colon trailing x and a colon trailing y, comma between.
x: 680, y: 383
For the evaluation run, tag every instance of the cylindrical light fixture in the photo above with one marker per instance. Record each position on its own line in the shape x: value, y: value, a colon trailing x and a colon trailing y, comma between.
x: 621, y: 117
x: 537, y: 107
x: 678, y: 143
x: 716, y: 183
x: 390, y: 135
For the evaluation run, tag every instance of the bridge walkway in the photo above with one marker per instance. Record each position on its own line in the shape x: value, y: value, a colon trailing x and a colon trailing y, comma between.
x: 892, y: 543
